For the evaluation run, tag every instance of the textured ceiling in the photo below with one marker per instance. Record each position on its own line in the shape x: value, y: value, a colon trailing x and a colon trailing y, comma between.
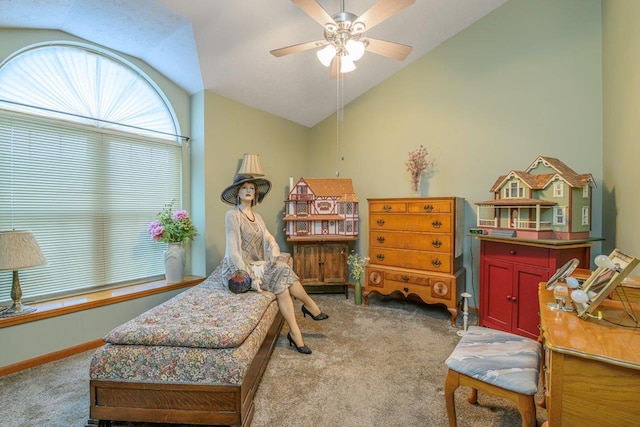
x: 223, y: 45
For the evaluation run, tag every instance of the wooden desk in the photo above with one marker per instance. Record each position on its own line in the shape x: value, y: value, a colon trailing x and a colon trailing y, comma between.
x: 591, y: 368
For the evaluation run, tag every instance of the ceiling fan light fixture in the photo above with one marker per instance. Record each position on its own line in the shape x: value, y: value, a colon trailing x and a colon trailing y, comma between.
x: 326, y: 54
x: 355, y: 48
x: 346, y: 64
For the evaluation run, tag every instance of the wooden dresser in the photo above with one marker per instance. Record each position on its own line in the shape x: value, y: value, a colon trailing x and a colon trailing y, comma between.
x: 415, y: 247
x: 591, y: 367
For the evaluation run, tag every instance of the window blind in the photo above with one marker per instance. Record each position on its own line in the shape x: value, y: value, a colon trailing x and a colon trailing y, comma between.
x: 87, y: 195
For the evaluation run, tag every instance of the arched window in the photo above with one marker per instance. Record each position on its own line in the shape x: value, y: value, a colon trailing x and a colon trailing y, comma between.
x: 89, y: 154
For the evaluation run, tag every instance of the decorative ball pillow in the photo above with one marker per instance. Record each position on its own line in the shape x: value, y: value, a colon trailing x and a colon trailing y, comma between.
x: 240, y: 282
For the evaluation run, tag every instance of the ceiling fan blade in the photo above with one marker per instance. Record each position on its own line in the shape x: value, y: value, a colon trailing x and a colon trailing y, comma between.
x: 389, y: 49
x: 381, y: 11
x: 298, y: 48
x: 314, y: 10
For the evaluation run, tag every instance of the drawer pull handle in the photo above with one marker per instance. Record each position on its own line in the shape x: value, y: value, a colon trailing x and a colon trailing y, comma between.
x: 436, y: 224
x: 386, y: 208
x: 406, y: 290
x: 436, y: 243
x: 512, y: 252
x: 405, y: 278
x: 380, y: 239
x: 380, y: 222
x: 428, y: 208
x: 436, y: 263
x: 380, y: 257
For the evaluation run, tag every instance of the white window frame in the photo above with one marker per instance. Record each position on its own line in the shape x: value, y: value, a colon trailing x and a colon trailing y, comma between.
x: 559, y: 215
x: 558, y: 189
x: 513, y: 190
x: 585, y: 215
x: 91, y: 218
x: 586, y: 191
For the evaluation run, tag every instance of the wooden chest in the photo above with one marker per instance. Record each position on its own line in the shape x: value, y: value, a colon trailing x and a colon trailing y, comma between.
x: 415, y: 247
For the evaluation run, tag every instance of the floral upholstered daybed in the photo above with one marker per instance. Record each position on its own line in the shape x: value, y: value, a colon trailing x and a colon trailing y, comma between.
x: 195, y: 359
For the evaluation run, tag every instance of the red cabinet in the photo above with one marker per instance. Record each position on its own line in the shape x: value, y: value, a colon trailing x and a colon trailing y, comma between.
x: 510, y: 271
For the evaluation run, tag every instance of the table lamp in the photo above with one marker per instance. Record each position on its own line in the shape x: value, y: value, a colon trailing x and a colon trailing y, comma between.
x: 251, y: 165
x: 18, y: 250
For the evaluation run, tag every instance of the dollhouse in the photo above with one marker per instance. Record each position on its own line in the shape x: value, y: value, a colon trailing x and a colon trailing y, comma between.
x: 321, y: 209
x: 548, y: 200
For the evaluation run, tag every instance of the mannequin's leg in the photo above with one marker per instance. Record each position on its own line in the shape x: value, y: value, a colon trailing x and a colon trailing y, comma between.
x: 285, y: 304
x: 297, y: 290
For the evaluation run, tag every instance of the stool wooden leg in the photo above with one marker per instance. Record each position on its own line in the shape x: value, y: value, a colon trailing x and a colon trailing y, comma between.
x: 451, y: 383
x: 527, y: 408
x: 473, y: 396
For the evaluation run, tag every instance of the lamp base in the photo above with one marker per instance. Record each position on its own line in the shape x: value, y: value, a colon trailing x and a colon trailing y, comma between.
x: 16, y: 310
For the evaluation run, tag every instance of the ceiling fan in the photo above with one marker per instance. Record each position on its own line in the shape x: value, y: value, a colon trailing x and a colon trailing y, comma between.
x: 344, y: 35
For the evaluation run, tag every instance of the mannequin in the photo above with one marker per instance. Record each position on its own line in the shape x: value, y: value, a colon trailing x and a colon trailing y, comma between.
x: 252, y: 248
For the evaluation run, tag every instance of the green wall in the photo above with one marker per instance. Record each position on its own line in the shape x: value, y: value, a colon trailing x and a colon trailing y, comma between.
x: 524, y: 81
x: 621, y: 154
x: 230, y: 130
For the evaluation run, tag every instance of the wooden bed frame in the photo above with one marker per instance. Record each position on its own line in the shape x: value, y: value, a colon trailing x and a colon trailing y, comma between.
x: 200, y: 404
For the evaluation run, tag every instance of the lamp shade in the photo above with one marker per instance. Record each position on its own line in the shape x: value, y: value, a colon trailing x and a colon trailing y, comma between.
x: 346, y: 64
x: 326, y: 54
x: 19, y: 250
x: 251, y: 165
x: 355, y: 48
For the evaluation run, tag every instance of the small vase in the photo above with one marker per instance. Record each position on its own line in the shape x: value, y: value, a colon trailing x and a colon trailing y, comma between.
x: 174, y: 262
x: 416, y: 187
x: 357, y: 293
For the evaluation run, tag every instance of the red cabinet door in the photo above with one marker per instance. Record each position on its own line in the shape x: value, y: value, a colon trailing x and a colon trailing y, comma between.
x: 526, y: 312
x: 496, y: 292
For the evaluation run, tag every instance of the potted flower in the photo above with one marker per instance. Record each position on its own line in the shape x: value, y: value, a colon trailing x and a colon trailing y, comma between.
x: 174, y: 228
x: 357, y: 264
x: 416, y: 165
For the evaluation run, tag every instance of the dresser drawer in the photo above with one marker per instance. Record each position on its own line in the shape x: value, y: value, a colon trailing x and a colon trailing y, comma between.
x: 399, y: 240
x: 429, y: 261
x: 430, y: 206
x: 388, y: 207
x: 433, y: 287
x: 411, y: 223
x: 399, y: 277
x: 530, y: 255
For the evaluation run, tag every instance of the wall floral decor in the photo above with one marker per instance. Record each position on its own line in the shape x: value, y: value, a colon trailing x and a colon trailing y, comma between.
x: 416, y: 165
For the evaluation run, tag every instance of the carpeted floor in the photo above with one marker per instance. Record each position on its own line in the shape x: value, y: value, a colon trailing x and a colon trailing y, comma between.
x: 381, y: 365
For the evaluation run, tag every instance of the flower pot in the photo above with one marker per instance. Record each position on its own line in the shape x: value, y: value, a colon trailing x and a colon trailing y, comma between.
x: 174, y: 262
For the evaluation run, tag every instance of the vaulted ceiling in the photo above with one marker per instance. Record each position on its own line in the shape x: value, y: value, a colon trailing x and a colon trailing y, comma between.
x: 223, y: 45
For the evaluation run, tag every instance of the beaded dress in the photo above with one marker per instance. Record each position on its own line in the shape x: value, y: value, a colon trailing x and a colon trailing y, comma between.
x: 247, y: 244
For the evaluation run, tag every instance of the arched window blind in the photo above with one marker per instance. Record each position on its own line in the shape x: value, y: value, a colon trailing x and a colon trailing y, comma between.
x: 87, y: 189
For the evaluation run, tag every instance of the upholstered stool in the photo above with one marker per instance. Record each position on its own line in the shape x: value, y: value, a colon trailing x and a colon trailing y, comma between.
x: 497, y: 363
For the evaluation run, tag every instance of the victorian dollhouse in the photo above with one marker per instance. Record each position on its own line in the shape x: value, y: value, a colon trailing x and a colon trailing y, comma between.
x: 321, y: 209
x: 548, y: 200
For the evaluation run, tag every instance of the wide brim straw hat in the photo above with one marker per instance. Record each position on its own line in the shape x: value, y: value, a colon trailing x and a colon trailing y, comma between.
x: 230, y: 193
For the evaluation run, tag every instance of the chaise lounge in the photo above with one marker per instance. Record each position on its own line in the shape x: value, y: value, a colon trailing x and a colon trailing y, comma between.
x: 195, y: 359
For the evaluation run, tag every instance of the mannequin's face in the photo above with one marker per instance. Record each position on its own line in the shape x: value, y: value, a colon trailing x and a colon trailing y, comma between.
x: 247, y: 192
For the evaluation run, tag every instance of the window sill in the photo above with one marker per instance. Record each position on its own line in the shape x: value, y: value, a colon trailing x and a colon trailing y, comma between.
x: 88, y: 301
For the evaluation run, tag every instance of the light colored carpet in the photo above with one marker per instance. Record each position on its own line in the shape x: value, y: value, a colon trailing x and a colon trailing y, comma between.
x: 381, y: 365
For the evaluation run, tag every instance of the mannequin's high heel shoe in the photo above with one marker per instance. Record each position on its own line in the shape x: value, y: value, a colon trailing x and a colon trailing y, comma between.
x: 304, y: 349
x: 320, y: 316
